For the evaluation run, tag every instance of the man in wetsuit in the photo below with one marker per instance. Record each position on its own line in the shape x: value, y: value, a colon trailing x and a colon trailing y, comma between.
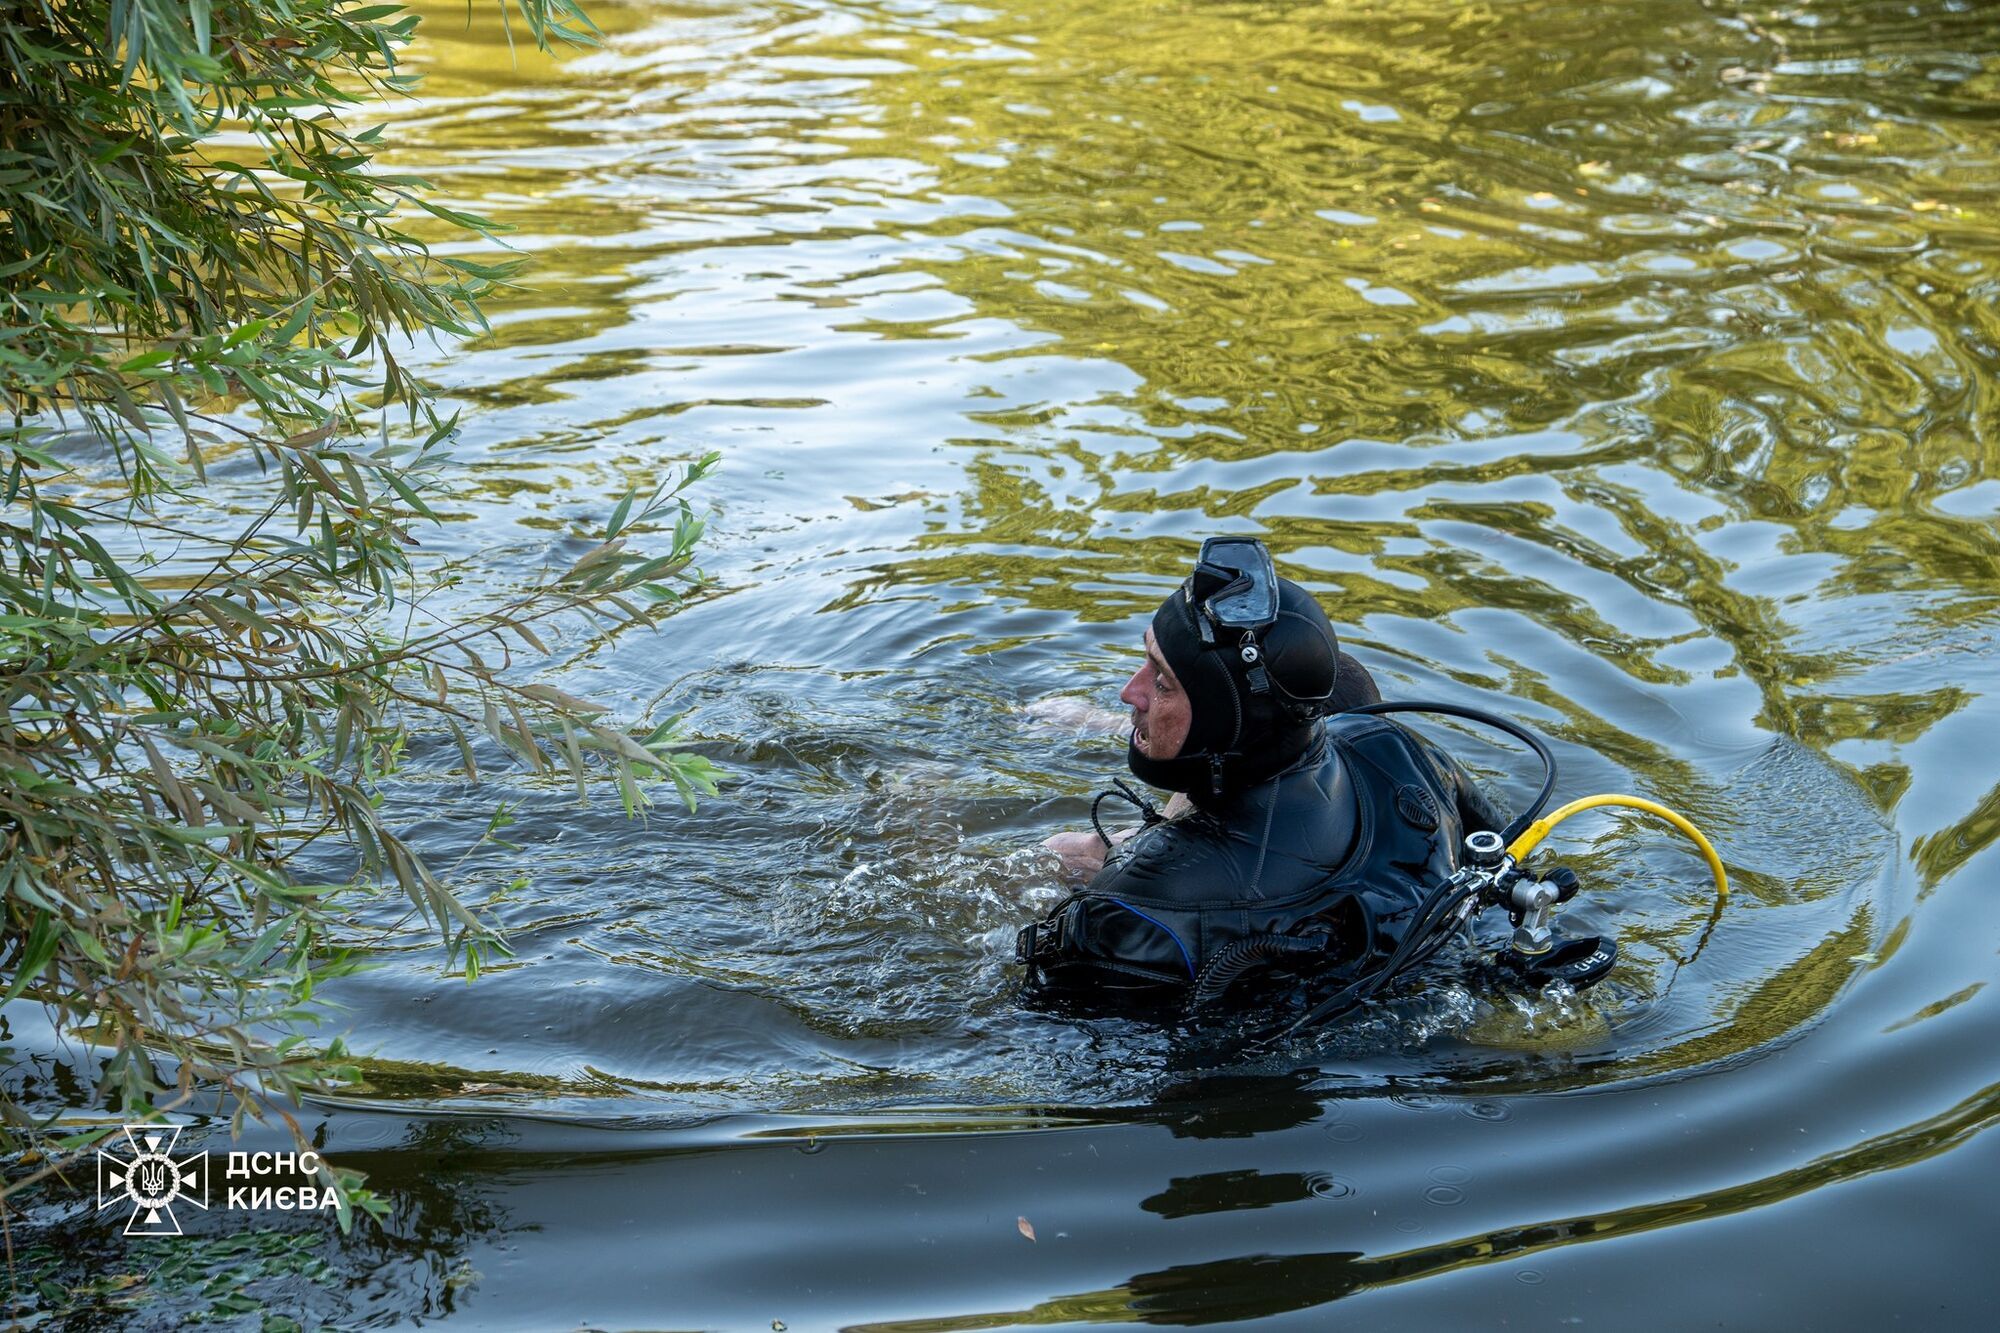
x: 1301, y: 836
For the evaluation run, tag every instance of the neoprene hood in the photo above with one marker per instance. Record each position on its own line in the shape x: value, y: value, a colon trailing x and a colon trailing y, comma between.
x: 1246, y: 725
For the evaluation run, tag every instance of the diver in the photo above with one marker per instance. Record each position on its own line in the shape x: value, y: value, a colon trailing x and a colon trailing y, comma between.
x: 1303, y: 840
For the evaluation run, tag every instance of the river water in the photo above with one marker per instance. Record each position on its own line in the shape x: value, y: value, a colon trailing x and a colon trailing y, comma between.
x: 1620, y: 368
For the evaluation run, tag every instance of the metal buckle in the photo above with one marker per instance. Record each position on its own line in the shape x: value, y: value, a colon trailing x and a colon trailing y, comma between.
x: 1040, y: 940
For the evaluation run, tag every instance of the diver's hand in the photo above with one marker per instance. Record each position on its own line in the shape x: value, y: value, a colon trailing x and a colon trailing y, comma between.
x: 1083, y: 853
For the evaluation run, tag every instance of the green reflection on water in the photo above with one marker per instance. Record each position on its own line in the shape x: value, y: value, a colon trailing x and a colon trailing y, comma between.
x: 1626, y: 368
x: 1628, y: 374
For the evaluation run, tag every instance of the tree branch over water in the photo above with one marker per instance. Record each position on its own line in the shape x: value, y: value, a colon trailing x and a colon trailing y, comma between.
x: 213, y: 467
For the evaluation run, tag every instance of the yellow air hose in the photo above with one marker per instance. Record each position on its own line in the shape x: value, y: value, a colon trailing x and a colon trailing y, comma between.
x: 1538, y: 830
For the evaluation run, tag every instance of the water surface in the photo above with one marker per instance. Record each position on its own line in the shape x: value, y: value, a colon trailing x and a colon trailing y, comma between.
x: 1624, y: 369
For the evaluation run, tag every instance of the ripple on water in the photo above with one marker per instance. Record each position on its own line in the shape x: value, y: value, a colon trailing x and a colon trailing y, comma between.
x: 1324, y: 1186
x: 1647, y: 410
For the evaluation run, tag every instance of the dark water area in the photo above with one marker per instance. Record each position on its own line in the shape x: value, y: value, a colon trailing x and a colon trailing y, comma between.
x: 1624, y: 369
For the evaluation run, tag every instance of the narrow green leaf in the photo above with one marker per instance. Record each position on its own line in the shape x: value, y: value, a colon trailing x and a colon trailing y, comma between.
x: 618, y: 516
x: 40, y: 947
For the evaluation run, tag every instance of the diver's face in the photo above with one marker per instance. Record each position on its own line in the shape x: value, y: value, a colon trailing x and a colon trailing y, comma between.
x: 1160, y: 712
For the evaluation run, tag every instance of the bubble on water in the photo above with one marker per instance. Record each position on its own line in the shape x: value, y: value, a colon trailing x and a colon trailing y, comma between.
x: 1552, y: 1007
x: 1443, y: 1010
x: 1444, y: 1195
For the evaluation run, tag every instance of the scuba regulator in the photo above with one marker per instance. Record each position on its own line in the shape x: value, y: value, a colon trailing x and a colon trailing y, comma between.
x: 1492, y: 876
x: 1536, y: 950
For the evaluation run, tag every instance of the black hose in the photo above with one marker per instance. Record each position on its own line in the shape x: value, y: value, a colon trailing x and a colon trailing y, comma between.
x: 1147, y: 814
x: 1222, y: 971
x: 1438, y: 904
x: 1512, y: 728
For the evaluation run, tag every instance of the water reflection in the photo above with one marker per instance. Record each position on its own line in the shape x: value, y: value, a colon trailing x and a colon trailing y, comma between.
x: 1593, y: 381
x: 1261, y: 1285
x: 1628, y: 376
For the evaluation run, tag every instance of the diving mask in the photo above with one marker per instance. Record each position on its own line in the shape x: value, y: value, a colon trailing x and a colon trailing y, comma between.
x: 1234, y: 587
x: 1234, y: 594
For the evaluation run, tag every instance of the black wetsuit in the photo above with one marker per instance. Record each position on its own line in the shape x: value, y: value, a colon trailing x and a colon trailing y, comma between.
x: 1320, y: 868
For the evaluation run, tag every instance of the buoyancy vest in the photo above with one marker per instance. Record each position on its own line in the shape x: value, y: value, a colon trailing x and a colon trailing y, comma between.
x: 1321, y: 869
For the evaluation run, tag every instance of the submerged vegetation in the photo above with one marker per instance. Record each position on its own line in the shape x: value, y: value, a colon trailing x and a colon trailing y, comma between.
x: 217, y: 635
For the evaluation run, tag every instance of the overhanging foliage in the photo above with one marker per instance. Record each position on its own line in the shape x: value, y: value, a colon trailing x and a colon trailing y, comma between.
x: 200, y: 266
